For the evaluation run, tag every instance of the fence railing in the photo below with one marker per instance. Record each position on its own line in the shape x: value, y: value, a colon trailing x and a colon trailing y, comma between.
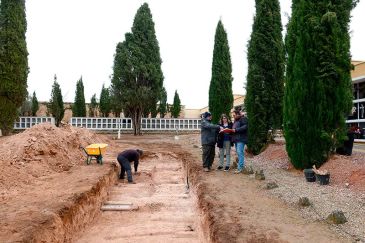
x: 116, y: 124
x: 25, y: 122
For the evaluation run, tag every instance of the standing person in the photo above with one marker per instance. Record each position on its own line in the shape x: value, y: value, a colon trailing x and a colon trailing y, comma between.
x: 208, y: 139
x: 239, y: 137
x: 224, y: 143
x: 125, y: 158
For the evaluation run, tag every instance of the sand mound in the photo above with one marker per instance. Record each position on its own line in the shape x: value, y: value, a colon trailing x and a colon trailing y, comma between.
x: 42, y: 150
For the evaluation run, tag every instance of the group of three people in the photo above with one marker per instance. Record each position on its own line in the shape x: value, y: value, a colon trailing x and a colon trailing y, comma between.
x: 224, y: 135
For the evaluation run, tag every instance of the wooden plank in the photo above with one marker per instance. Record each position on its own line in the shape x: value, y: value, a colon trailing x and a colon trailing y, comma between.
x: 119, y: 207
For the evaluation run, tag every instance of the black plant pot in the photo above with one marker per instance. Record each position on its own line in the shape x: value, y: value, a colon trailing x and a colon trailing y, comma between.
x: 309, y: 175
x: 323, y: 179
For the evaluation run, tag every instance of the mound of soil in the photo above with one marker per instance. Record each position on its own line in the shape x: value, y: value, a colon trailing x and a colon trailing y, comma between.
x: 343, y: 169
x: 40, y: 151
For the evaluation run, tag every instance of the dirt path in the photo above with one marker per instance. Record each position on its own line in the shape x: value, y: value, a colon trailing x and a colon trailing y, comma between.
x: 167, y: 211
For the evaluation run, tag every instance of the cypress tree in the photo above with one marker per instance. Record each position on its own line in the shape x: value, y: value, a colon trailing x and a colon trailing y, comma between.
x: 79, y: 107
x: 265, y: 77
x: 176, y: 106
x: 220, y: 89
x: 93, y: 106
x: 137, y: 69
x: 35, y: 105
x: 104, y: 102
x: 162, y: 109
x: 55, y: 105
x: 13, y: 61
x: 318, y: 93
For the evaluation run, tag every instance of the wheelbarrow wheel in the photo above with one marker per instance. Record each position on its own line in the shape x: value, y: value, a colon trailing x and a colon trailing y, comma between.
x: 88, y: 160
x: 100, y: 159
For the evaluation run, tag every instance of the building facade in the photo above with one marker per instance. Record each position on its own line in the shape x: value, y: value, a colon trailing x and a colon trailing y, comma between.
x: 357, y: 118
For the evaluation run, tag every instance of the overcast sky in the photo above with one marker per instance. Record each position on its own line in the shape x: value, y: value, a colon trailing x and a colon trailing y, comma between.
x: 71, y: 38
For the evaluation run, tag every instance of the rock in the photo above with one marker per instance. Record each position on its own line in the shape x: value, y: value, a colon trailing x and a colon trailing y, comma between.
x: 248, y: 170
x: 259, y: 175
x: 304, y: 202
x: 347, y: 185
x: 337, y: 217
x: 52, y: 152
x: 271, y: 185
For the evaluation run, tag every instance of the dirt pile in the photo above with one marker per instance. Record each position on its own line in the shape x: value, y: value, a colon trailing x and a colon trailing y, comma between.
x: 41, y: 150
x: 343, y: 169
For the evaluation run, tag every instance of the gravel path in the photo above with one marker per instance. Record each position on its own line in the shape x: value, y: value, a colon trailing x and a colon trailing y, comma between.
x: 324, y: 199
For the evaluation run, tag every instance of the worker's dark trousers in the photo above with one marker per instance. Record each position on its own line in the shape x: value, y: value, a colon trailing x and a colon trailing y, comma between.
x: 125, y: 167
x: 208, y: 155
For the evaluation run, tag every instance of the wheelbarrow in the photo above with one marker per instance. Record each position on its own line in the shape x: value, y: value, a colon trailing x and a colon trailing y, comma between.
x: 96, y: 151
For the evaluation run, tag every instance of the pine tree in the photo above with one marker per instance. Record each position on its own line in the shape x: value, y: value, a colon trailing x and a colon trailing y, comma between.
x: 35, y: 105
x: 93, y: 106
x: 265, y: 77
x: 13, y: 61
x: 104, y: 102
x: 79, y: 106
x: 55, y: 105
x: 162, y: 109
x: 220, y: 89
x: 318, y: 82
x: 137, y: 69
x: 176, y: 106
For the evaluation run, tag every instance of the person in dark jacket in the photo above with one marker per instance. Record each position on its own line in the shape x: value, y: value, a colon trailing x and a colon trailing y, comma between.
x: 224, y: 143
x: 208, y: 139
x: 125, y: 158
x: 239, y: 137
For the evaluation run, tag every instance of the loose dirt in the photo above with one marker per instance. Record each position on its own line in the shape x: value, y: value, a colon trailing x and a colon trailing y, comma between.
x: 46, y: 190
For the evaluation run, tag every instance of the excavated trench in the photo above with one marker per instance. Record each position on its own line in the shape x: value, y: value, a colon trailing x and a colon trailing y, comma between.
x: 168, y: 208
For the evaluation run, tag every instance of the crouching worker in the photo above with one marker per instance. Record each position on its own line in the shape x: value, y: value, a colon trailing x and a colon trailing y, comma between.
x: 125, y: 159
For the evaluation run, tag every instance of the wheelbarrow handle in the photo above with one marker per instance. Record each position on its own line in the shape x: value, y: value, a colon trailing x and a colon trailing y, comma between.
x: 81, y: 147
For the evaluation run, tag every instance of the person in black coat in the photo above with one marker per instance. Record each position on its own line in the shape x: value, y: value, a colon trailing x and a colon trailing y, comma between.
x: 224, y: 143
x: 124, y: 160
x: 239, y: 137
x: 208, y: 139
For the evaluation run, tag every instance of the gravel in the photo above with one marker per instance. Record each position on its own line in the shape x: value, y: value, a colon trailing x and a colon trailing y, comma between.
x: 324, y: 198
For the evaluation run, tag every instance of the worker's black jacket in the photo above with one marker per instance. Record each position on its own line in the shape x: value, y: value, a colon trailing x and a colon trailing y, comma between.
x: 131, y: 155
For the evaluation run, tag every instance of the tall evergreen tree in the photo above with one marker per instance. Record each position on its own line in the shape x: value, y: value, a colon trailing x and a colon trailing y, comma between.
x: 13, y: 61
x: 55, y: 105
x: 35, y: 104
x: 162, y: 108
x: 93, y: 106
x: 265, y: 77
x: 220, y: 89
x: 104, y: 102
x: 137, y: 69
x: 79, y: 106
x: 318, y: 82
x: 176, y: 106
